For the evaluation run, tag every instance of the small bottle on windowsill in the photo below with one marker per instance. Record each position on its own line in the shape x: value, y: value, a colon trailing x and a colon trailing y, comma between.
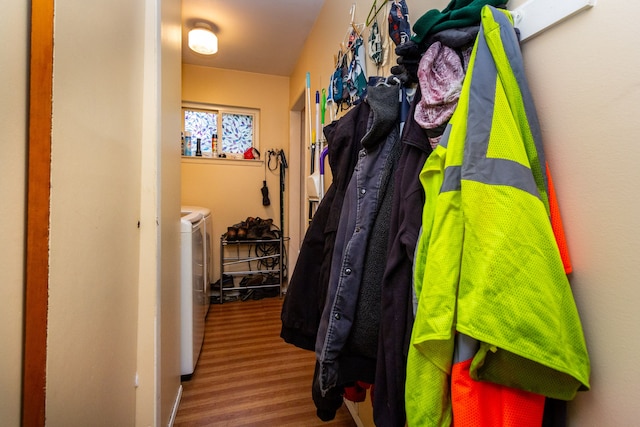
x: 187, y: 143
x: 214, y: 145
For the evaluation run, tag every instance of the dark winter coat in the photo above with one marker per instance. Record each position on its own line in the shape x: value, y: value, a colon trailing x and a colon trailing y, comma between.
x: 396, y: 317
x: 306, y: 292
x: 347, y: 338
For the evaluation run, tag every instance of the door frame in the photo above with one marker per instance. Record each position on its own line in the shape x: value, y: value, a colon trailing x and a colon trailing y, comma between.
x: 38, y: 213
x: 297, y: 195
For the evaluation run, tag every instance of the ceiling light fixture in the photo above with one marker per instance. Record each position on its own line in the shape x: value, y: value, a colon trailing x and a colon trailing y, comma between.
x: 202, y: 40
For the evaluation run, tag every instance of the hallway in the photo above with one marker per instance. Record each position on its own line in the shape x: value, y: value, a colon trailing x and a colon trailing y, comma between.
x: 248, y: 376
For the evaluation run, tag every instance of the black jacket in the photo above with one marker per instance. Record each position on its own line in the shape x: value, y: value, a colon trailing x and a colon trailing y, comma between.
x: 396, y: 317
x: 306, y: 293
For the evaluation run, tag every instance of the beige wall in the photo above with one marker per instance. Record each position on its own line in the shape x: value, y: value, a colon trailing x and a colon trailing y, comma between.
x: 107, y: 106
x: 100, y: 117
x: 158, y: 339
x: 584, y: 79
x: 168, y: 180
x: 231, y: 188
x: 13, y: 135
x: 94, y: 211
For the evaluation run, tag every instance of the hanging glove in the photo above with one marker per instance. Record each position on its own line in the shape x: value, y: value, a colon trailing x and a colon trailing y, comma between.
x: 265, y: 194
x: 403, y: 75
x: 409, y: 54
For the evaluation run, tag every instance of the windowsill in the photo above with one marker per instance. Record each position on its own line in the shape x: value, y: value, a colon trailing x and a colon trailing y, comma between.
x: 219, y: 160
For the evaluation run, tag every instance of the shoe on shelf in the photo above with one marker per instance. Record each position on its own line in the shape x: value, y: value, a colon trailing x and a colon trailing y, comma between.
x: 252, y: 280
x: 242, y: 233
x: 231, y: 234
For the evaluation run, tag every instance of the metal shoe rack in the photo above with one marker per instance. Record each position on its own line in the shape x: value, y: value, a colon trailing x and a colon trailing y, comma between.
x: 240, y: 258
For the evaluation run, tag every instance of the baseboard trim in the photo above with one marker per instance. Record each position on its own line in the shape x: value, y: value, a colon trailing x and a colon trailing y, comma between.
x: 353, y: 410
x: 176, y: 404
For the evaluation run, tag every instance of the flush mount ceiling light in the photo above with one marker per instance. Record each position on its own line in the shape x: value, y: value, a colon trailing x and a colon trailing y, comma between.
x: 202, y: 40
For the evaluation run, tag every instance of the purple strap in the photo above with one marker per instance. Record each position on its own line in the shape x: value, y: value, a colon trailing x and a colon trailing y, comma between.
x: 323, y: 154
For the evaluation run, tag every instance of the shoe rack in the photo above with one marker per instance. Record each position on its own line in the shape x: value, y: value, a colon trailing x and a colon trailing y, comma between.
x: 251, y: 259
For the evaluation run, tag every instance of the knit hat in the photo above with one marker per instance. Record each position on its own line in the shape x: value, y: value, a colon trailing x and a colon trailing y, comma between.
x: 459, y: 13
x: 440, y: 75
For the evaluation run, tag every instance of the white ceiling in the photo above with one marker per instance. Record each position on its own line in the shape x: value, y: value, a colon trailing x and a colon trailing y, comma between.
x: 257, y: 36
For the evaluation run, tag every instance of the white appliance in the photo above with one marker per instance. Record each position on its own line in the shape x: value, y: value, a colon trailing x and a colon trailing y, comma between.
x: 193, y: 293
x: 208, y: 243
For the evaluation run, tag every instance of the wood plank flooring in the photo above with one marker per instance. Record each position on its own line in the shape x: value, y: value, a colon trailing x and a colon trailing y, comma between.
x: 248, y: 376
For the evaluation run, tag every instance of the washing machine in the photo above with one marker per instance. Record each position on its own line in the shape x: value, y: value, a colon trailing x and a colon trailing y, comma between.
x: 208, y: 244
x: 194, y: 298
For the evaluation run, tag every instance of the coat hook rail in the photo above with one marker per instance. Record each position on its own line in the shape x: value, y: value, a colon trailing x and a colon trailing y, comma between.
x: 535, y: 16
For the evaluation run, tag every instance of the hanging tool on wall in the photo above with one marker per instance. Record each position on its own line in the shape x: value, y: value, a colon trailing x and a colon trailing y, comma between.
x: 309, y: 122
x: 313, y: 180
x: 283, y: 165
x: 314, y: 152
x: 265, y: 190
x: 279, y: 161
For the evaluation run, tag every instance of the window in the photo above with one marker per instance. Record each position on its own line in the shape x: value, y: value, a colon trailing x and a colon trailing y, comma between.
x: 233, y: 129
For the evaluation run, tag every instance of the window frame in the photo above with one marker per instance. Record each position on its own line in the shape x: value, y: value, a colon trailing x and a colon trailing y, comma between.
x: 220, y: 110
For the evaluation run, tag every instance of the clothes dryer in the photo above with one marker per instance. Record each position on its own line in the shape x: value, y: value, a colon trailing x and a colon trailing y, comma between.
x: 193, y: 296
x: 208, y: 245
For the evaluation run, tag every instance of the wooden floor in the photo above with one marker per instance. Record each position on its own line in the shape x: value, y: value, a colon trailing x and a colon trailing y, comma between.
x: 248, y: 376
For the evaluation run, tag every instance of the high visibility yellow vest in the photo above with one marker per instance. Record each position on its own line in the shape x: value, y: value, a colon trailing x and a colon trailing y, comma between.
x: 487, y: 264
